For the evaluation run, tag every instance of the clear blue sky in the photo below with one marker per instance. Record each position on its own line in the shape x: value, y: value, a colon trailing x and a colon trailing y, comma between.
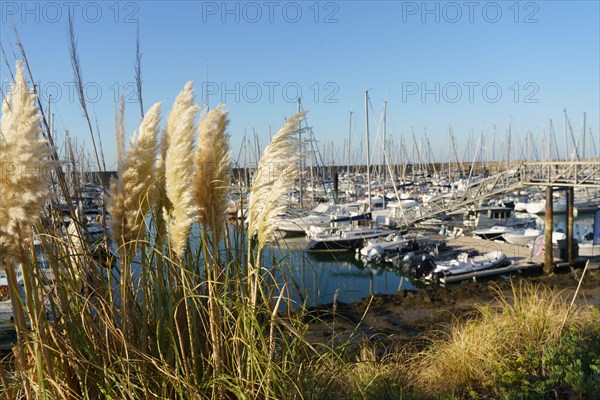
x: 468, y: 65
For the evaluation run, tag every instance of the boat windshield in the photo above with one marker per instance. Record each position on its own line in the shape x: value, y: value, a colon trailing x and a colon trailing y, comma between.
x: 329, y: 209
x: 321, y: 208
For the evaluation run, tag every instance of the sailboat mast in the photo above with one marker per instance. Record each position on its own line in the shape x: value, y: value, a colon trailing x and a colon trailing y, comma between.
x: 349, y: 139
x: 313, y: 143
x: 509, y: 138
x: 550, y: 132
x: 246, y: 160
x: 256, y: 146
x: 595, y: 150
x: 368, y: 148
x: 527, y: 155
x: 301, y: 158
x: 565, y: 128
x: 384, y: 139
x: 583, y: 139
x: 449, y: 156
x: 494, y: 143
x: 412, y: 159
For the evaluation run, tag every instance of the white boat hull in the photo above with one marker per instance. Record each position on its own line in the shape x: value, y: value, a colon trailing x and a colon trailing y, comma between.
x: 587, y: 249
x: 465, y: 264
x: 522, y: 237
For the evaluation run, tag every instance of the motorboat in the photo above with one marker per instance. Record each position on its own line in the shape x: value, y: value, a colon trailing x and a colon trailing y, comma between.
x: 344, y: 239
x: 464, y: 263
x: 522, y: 237
x: 587, y: 248
x: 512, y: 224
x: 322, y: 216
x: 377, y: 248
x: 493, y: 233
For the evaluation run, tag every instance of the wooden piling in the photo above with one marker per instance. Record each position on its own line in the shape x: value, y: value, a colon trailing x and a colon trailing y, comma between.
x: 570, y: 208
x: 336, y: 186
x: 548, y: 257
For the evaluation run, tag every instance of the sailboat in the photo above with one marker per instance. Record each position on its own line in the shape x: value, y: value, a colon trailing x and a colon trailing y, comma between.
x: 350, y: 238
x: 322, y: 216
x: 345, y: 239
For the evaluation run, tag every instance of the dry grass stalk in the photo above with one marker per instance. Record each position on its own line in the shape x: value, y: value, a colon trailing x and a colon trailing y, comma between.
x: 274, y: 177
x: 129, y: 203
x: 212, y: 161
x: 138, y: 71
x: 79, y: 84
x: 120, y: 135
x: 179, y: 168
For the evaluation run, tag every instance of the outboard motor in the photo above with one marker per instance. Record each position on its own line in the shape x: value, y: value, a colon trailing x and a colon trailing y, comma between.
x: 375, y: 254
x: 424, y: 268
x: 413, y: 245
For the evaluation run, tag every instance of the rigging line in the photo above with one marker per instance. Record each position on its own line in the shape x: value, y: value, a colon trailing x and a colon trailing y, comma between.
x: 521, y: 148
x: 237, y: 161
x: 575, y: 150
x: 553, y: 140
x: 535, y: 150
x: 326, y: 181
x: 593, y: 143
x: 377, y: 127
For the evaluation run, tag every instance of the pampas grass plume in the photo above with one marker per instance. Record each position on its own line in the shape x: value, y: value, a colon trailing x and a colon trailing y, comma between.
x: 275, y: 175
x: 212, y: 171
x: 179, y: 168
x: 129, y: 202
x: 24, y: 167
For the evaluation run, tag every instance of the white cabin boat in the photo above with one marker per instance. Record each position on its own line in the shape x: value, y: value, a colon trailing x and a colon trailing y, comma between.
x: 321, y: 216
x: 336, y: 239
x: 522, y: 237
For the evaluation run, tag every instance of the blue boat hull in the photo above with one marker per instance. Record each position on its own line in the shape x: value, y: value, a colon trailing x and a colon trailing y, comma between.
x: 334, y: 245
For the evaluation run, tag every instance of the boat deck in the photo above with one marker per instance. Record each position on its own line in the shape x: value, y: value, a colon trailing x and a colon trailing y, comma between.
x: 514, y: 267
